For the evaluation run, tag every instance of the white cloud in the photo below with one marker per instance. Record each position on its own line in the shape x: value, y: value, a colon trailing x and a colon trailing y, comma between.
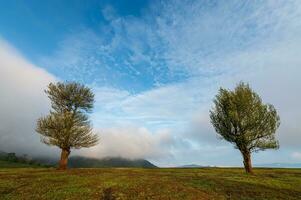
x: 162, y: 104
x: 132, y: 142
x: 200, y: 36
x: 261, y: 48
x: 183, y: 108
x: 212, y: 45
x: 216, y: 45
x: 22, y: 101
x: 296, y: 156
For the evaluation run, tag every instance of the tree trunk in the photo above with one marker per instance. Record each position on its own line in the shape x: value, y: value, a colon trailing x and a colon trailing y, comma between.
x: 248, y: 163
x: 64, y: 159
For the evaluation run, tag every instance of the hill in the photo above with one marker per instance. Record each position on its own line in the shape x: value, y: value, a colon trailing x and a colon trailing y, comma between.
x: 9, y: 164
x: 11, y: 159
x: 128, y: 184
x: 192, y: 166
x: 280, y: 165
x: 84, y: 162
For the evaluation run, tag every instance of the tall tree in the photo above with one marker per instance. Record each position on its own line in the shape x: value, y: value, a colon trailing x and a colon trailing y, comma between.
x: 67, y: 125
x: 240, y: 117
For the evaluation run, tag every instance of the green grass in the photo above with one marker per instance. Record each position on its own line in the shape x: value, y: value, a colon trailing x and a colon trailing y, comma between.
x: 173, y: 184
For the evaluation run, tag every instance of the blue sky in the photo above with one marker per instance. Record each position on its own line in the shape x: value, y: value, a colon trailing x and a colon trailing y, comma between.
x: 48, y: 22
x: 155, y: 67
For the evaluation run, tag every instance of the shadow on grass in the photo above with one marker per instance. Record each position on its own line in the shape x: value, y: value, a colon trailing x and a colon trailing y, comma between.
x: 107, y: 194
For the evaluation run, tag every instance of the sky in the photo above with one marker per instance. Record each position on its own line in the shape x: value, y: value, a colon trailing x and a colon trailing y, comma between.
x: 155, y: 68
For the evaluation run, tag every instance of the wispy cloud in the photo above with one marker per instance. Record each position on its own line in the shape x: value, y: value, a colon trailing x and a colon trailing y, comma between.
x: 175, y: 40
x: 160, y: 72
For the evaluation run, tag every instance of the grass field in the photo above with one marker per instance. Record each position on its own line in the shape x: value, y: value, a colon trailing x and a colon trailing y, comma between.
x: 173, y: 184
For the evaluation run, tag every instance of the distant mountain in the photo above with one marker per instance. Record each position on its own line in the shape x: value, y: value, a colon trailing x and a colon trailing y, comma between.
x: 2, y: 153
x: 192, y: 166
x: 85, y: 162
x: 78, y: 161
x: 13, y: 160
x: 280, y: 165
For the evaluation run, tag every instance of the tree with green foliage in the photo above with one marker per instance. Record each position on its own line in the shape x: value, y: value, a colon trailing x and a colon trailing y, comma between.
x: 240, y: 117
x: 67, y: 126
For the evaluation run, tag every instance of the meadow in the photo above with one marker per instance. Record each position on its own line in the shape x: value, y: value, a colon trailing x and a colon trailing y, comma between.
x: 138, y: 183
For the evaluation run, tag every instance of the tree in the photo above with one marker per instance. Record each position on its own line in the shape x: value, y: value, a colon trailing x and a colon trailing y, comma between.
x: 241, y: 118
x: 67, y: 125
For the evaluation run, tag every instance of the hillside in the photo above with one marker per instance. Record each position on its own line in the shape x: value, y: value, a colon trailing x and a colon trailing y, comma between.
x: 9, y: 164
x: 11, y: 159
x: 153, y: 184
x: 84, y: 162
